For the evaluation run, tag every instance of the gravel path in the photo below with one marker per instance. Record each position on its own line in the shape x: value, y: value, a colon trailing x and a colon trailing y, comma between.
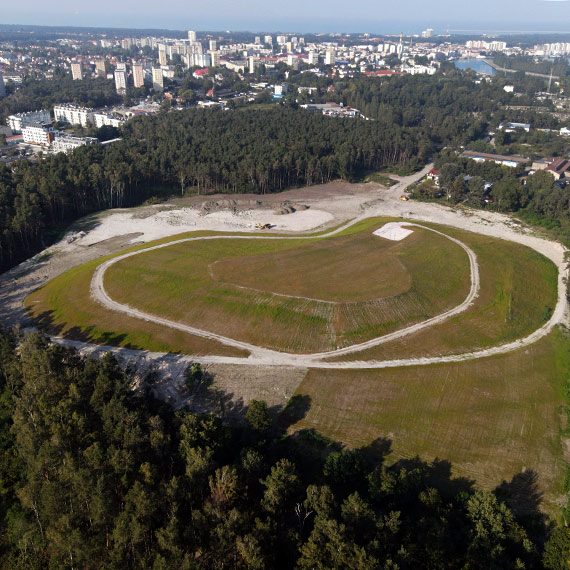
x: 342, y: 201
x: 268, y: 356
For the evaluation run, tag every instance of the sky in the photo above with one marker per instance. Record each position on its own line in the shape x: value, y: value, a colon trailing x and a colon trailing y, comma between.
x: 372, y: 16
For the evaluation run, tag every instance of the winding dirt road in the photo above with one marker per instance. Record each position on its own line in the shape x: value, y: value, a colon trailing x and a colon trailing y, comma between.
x: 358, y: 201
x: 268, y: 356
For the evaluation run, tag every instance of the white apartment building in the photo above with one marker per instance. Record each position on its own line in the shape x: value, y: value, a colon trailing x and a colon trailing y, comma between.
x: 157, y: 79
x: 100, y: 68
x: 199, y: 60
x: 65, y: 143
x: 107, y: 119
x: 38, y: 133
x: 194, y: 47
x: 293, y: 61
x: 213, y: 45
x: 191, y: 36
x: 121, y: 82
x: 20, y: 120
x: 73, y: 114
x: 215, y: 58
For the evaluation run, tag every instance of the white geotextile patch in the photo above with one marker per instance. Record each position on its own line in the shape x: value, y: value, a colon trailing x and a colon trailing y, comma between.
x: 393, y: 231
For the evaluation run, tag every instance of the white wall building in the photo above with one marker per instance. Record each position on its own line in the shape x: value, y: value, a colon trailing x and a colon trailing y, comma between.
x: 121, y: 82
x: 107, y: 119
x: 19, y: 121
x: 215, y: 58
x: 157, y: 79
x: 65, y: 143
x: 73, y: 114
x: 38, y: 133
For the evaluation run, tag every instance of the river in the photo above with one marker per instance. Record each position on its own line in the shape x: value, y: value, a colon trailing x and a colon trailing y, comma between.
x: 478, y: 65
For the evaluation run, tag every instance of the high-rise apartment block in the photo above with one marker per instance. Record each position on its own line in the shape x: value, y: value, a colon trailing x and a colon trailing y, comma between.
x: 121, y: 82
x: 293, y: 61
x: 194, y: 47
x: 2, y: 86
x: 213, y: 45
x: 215, y: 58
x: 191, y: 36
x: 76, y: 71
x: 269, y: 40
x: 100, y: 68
x: 162, y: 56
x: 157, y: 79
x: 313, y: 58
x: 138, y: 75
x: 330, y: 57
x: 253, y: 63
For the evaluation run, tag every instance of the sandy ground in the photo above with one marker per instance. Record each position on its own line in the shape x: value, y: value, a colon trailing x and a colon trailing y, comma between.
x: 394, y: 231
x: 327, y: 206
x: 162, y: 223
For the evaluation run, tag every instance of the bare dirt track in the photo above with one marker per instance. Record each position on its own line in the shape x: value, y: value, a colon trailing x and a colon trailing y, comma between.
x: 339, y: 200
x: 265, y: 356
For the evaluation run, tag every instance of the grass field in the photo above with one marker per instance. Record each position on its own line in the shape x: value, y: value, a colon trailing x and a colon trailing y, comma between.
x: 518, y: 293
x: 423, y: 275
x: 360, y: 286
x: 64, y: 307
x: 492, y: 418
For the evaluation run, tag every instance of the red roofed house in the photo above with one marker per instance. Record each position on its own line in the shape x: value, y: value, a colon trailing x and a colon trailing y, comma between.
x: 199, y: 73
x: 382, y: 73
x: 434, y: 175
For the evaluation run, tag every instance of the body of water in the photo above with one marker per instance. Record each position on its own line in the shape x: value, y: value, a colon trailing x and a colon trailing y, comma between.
x: 477, y: 65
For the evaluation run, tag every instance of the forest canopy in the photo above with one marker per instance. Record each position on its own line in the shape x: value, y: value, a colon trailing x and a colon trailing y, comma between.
x: 95, y: 474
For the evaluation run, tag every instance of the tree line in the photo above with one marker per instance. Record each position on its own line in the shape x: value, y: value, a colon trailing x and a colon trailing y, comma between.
x: 95, y: 474
x: 537, y: 198
x: 193, y: 150
x: 245, y: 150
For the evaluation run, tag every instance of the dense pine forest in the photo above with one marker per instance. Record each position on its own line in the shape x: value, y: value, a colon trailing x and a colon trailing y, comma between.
x: 244, y: 150
x: 36, y: 94
x: 96, y: 475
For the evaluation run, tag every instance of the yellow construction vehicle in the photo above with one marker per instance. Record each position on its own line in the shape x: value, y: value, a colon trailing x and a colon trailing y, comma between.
x: 263, y: 226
